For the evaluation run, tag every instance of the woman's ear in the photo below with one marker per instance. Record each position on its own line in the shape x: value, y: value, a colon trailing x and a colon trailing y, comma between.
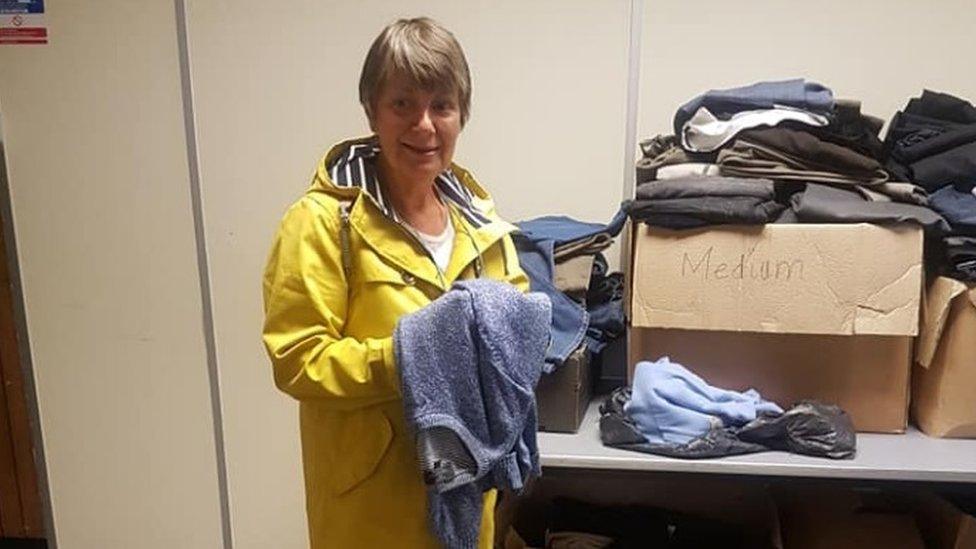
x: 369, y: 118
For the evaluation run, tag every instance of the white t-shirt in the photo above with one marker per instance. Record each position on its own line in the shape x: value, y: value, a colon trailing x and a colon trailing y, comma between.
x: 440, y: 245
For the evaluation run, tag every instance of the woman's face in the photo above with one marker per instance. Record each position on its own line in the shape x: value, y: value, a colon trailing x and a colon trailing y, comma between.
x: 417, y: 130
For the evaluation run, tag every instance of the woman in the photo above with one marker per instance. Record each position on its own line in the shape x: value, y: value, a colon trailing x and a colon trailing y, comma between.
x: 388, y: 224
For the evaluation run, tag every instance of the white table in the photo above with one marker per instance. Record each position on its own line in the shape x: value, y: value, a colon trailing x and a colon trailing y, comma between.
x: 912, y: 456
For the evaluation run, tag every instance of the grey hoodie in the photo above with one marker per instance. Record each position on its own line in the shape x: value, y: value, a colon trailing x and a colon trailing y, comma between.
x: 469, y: 363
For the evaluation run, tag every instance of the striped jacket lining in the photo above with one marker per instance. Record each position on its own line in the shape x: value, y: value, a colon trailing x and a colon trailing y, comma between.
x: 357, y: 168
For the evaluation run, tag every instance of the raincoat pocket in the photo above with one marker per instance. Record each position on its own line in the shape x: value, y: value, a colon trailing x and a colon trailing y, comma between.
x: 362, y: 439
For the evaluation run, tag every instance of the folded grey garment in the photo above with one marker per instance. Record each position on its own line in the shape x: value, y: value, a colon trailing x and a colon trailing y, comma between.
x: 687, y: 213
x: 674, y: 171
x: 788, y: 217
x: 747, y: 159
x: 909, y: 193
x: 585, y: 246
x: 705, y: 132
x: 698, y: 186
x: 826, y: 204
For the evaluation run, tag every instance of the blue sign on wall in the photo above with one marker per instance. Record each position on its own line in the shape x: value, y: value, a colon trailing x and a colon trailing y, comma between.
x: 21, y: 6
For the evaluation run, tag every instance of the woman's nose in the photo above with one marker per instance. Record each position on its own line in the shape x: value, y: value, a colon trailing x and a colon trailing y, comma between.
x: 424, y: 121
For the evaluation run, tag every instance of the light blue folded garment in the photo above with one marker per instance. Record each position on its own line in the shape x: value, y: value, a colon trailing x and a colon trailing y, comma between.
x: 671, y: 405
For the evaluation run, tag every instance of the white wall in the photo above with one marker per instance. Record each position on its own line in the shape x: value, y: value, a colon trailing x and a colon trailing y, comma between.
x: 546, y: 136
x: 881, y: 51
x: 99, y: 187
x: 93, y: 131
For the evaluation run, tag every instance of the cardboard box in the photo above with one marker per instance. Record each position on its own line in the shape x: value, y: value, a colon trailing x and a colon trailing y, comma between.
x: 943, y: 525
x: 838, y: 518
x: 824, y: 312
x: 944, y: 380
x: 563, y: 396
x: 797, y: 279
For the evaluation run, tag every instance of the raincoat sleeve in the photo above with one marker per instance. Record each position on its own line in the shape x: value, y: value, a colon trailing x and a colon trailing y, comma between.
x: 305, y: 301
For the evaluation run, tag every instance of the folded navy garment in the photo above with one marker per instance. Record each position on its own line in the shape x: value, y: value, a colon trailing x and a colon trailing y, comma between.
x: 958, y: 206
x: 928, y: 142
x: 797, y: 93
x: 469, y: 363
x: 932, y: 142
x: 607, y: 323
x: 604, y: 285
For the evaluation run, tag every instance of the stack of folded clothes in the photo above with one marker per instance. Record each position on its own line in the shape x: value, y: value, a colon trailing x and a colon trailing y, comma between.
x: 699, y: 200
x: 773, y: 152
x: 563, y: 259
x: 932, y: 142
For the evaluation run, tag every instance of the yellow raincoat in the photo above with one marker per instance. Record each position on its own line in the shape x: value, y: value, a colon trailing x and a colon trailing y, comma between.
x: 329, y: 340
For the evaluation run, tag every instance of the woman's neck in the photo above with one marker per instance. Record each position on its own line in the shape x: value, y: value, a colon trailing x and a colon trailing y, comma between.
x: 416, y: 202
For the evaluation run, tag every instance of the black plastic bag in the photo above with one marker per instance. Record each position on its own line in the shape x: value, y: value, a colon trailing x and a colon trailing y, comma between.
x: 809, y: 428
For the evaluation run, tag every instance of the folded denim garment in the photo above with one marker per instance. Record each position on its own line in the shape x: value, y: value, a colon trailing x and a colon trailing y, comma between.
x: 569, y: 318
x: 797, y: 93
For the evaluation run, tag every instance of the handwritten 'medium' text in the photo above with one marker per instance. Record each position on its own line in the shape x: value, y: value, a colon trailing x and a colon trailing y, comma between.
x: 744, y: 267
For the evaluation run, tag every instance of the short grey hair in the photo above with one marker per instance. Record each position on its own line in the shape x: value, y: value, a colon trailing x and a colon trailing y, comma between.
x: 422, y: 50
